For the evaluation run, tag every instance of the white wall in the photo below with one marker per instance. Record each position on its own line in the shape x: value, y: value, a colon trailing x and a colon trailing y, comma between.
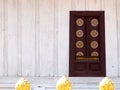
x: 34, y: 36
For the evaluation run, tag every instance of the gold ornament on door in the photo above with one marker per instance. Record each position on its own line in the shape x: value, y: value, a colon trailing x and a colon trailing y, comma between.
x: 94, y: 33
x: 79, y: 53
x: 94, y: 44
x: 79, y: 22
x: 94, y: 22
x: 79, y: 33
x: 94, y: 53
x: 79, y: 44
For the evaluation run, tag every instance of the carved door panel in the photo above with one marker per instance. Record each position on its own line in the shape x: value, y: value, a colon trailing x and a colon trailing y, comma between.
x: 87, y: 43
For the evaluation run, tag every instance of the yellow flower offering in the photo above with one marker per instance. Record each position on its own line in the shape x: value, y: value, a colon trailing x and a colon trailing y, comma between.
x: 106, y: 84
x: 22, y: 84
x: 63, y: 84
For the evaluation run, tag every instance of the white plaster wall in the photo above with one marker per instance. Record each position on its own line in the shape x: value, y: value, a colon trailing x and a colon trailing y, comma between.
x: 34, y: 36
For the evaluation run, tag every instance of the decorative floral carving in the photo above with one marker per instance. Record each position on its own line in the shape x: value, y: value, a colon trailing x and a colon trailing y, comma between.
x: 94, y: 44
x: 94, y: 53
x: 79, y: 22
x: 79, y: 53
x: 79, y: 33
x: 79, y: 44
x: 94, y: 22
x: 94, y: 33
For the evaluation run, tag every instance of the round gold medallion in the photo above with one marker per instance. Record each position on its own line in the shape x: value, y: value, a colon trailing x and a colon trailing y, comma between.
x: 94, y: 33
x: 94, y: 53
x: 79, y: 33
x: 79, y: 44
x: 94, y: 44
x: 79, y: 54
x: 79, y: 22
x: 94, y: 22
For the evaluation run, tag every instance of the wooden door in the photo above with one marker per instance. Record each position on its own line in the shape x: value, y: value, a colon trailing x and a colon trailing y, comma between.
x: 87, y: 43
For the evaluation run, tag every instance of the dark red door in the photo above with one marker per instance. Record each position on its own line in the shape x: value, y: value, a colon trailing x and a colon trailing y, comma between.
x: 87, y: 43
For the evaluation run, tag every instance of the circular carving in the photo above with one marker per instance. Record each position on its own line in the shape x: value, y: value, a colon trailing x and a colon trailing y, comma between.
x: 94, y: 53
x: 79, y: 44
x: 79, y: 33
x: 94, y: 44
x: 94, y: 22
x: 79, y: 22
x: 79, y: 54
x: 94, y: 33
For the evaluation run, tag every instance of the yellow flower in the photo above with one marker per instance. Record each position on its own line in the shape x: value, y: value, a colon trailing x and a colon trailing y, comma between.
x: 22, y: 84
x: 106, y: 84
x: 63, y: 84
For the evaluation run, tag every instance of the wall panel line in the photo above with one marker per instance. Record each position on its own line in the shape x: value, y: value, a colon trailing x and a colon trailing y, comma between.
x: 46, y: 37
x: 118, y: 33
x: 19, y: 42
x: 37, y: 38
x: 5, y: 49
x: 1, y: 37
x: 28, y: 37
x: 111, y: 37
x: 55, y: 49
x: 63, y: 36
x: 12, y: 38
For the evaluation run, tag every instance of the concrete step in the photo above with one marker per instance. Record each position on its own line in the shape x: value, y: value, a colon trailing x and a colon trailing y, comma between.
x: 80, y: 86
